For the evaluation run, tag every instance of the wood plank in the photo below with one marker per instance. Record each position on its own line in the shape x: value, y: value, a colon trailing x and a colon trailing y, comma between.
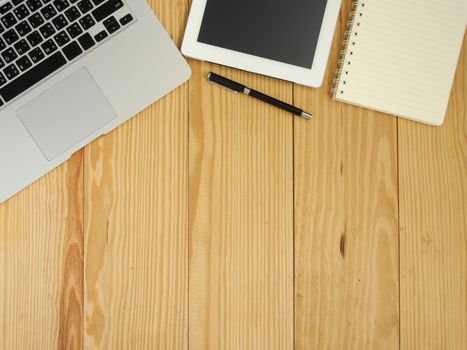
x: 433, y: 224
x: 41, y: 263
x: 136, y: 214
x: 241, y: 208
x: 346, y: 216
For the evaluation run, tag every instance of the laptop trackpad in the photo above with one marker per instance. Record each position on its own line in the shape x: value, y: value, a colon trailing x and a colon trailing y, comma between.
x: 66, y: 113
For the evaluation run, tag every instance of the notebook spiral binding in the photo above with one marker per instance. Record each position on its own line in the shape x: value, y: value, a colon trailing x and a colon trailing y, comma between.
x: 349, y: 40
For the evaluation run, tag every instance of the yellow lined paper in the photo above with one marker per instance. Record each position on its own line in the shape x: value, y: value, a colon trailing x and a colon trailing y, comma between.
x: 401, y: 57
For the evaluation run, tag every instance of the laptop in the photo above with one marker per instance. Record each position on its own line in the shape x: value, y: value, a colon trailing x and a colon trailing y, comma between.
x: 71, y: 71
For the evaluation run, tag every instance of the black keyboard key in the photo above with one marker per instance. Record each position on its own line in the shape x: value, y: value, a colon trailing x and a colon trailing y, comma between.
x: 72, y: 50
x: 47, y: 30
x: 36, y: 20
x: 87, y: 22
x: 5, y: 8
x: 24, y: 63
x: 72, y: 14
x: 109, y: 20
x: 49, y: 46
x: 48, y: 12
x: 74, y: 30
x: 126, y: 19
x: 32, y: 76
x: 2, y: 44
x: 2, y: 64
x: 21, y: 12
x: 34, y: 5
x: 36, y: 54
x: 61, y: 5
x: 11, y: 71
x: 22, y: 47
x: 46, y: 1
x: 10, y: 36
x: 59, y: 22
x: 111, y: 25
x: 106, y: 9
x: 101, y: 36
x: 62, y: 38
x: 17, y: 2
x: 2, y: 80
x: 1, y: 29
x: 9, y: 20
x: 34, y: 38
x: 97, y: 2
x: 9, y: 55
x: 85, y: 6
x: 23, y: 28
x: 86, y: 41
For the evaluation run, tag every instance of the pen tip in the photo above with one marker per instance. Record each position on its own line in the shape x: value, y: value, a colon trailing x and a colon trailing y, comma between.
x: 306, y: 115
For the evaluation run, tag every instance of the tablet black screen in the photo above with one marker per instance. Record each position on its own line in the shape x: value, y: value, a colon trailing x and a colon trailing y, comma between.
x: 282, y: 30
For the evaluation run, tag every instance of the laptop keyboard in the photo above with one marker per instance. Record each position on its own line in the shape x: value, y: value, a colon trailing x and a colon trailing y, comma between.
x: 40, y: 37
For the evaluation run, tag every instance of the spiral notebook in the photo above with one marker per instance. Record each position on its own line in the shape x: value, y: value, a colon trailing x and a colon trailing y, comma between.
x: 400, y: 56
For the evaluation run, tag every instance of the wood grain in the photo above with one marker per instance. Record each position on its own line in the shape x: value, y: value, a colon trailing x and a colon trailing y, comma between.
x: 241, y: 207
x: 346, y: 237
x: 41, y: 263
x: 136, y: 216
x: 433, y: 224
x: 213, y: 221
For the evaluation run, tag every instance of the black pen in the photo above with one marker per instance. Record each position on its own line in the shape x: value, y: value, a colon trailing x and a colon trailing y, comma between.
x: 239, y: 88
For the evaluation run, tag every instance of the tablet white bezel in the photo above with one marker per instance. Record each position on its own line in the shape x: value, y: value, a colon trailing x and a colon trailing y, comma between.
x: 310, y: 77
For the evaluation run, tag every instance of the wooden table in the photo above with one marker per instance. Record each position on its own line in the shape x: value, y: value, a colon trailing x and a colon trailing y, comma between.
x: 213, y: 221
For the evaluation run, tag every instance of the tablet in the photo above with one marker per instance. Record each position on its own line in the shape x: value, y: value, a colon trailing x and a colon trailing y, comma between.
x: 285, y: 39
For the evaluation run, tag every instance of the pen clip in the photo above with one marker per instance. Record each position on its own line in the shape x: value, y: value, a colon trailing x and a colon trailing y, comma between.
x: 222, y: 86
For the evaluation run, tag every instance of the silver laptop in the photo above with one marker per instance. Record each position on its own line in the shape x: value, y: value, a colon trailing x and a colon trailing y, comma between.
x: 70, y: 71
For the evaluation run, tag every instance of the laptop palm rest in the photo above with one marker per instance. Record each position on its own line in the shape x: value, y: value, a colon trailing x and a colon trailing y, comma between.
x: 67, y: 113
